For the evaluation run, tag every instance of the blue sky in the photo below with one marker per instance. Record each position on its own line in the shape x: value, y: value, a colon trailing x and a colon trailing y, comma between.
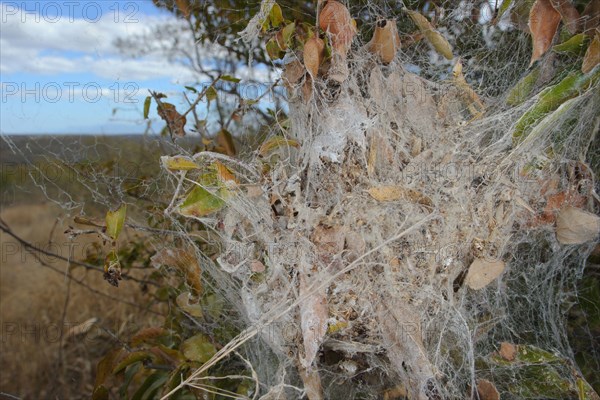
x: 62, y: 73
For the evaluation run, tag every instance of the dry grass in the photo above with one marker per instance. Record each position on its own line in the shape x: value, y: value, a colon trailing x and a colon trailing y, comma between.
x: 36, y: 362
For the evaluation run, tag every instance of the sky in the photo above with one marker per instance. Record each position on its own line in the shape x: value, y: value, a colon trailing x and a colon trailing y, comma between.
x: 61, y: 72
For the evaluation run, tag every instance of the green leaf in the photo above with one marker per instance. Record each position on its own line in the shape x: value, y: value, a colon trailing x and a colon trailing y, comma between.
x: 198, y: 348
x: 287, y: 33
x: 551, y: 98
x: 191, y: 89
x: 211, y: 93
x: 273, y: 49
x: 100, y: 393
x: 147, y: 106
x: 115, y: 221
x: 275, y: 16
x: 521, y: 91
x: 179, y: 163
x: 574, y: 45
x: 503, y: 7
x: 200, y: 202
x: 230, y: 78
x: 150, y: 387
x: 132, y: 358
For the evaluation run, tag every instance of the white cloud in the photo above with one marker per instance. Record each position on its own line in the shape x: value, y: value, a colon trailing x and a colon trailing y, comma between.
x: 80, y: 46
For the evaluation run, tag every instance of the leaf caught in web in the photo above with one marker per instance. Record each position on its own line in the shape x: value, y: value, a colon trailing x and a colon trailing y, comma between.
x: 592, y: 55
x: 179, y: 163
x: 225, y: 143
x: 198, y: 348
x: 276, y: 142
x: 115, y: 221
x: 200, y: 202
x: 543, y: 24
x: 175, y: 121
x: 483, y: 272
x: 437, y: 40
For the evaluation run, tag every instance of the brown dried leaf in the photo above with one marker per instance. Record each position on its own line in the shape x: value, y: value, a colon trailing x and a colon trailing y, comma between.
x: 487, y: 390
x: 314, y: 52
x: 183, y: 260
x: 313, y: 321
x: 467, y: 92
x: 483, y: 272
x: 392, y: 193
x: 508, y: 351
x: 543, y: 24
x: 385, y: 41
x: 592, y: 54
x: 292, y: 73
x: 307, y: 89
x: 591, y: 17
x: 175, y: 121
x: 576, y: 226
x: 570, y: 16
x: 336, y: 19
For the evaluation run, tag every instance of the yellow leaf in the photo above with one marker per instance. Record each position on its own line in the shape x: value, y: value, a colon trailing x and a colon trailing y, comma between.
x: 276, y: 142
x: 115, y: 221
x: 224, y: 173
x: 439, y: 42
x: 179, y: 163
x: 543, y: 24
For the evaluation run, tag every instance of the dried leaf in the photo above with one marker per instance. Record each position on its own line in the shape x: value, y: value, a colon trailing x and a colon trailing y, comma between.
x: 335, y: 19
x: 313, y: 321
x: 184, y: 7
x: 175, y: 121
x: 292, y: 73
x: 543, y: 24
x: 475, y: 104
x: 508, y: 351
x: 225, y: 143
x: 385, y: 41
x: 183, y: 260
x: 487, y: 390
x: 392, y: 193
x: 592, y: 54
x: 313, y: 55
x: 257, y: 266
x: 437, y: 40
x: 483, y: 272
x: 576, y: 226
x: 223, y: 173
x: 115, y: 221
x: 276, y: 142
x: 570, y: 16
x: 591, y: 17
x: 307, y: 89
x: 81, y: 329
